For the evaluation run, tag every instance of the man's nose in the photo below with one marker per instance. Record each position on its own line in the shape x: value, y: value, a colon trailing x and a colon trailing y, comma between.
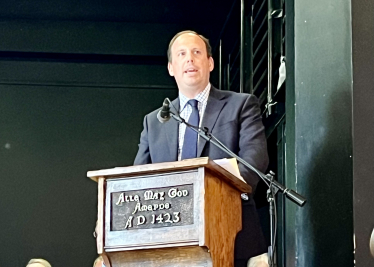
x: 190, y: 57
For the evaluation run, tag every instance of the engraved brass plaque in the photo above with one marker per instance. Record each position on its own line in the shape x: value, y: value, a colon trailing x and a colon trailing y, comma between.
x: 152, y: 208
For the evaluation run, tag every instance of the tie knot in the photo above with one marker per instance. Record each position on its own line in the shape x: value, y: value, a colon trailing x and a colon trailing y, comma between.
x: 193, y: 103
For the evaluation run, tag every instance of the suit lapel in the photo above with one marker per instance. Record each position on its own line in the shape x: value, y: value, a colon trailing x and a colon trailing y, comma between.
x: 214, y: 107
x: 171, y: 129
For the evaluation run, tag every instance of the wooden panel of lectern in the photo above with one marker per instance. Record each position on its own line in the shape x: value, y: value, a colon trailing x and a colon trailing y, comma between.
x: 184, y: 213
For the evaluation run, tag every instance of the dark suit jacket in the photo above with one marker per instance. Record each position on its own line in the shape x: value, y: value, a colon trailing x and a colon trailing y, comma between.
x: 236, y: 121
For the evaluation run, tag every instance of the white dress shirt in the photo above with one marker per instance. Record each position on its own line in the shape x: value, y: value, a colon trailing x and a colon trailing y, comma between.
x: 186, y: 110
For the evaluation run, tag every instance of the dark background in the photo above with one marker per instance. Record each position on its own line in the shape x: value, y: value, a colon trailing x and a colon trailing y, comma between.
x: 77, y: 78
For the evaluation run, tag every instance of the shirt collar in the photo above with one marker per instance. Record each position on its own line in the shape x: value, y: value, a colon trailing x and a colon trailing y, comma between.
x: 201, y: 97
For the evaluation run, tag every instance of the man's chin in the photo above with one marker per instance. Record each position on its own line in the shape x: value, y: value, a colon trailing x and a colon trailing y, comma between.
x: 195, y: 86
x: 193, y: 82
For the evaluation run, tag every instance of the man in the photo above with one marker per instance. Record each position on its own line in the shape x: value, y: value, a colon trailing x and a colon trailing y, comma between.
x: 233, y: 118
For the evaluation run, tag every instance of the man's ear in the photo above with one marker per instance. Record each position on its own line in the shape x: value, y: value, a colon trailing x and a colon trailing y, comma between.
x: 170, y: 69
x: 211, y: 63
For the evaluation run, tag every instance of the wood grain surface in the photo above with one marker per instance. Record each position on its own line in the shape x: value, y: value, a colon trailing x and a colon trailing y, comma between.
x: 223, y: 219
x: 192, y: 256
x: 218, y: 202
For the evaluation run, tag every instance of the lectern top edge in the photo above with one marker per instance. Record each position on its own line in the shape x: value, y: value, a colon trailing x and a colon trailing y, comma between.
x: 170, y: 166
x: 149, y: 168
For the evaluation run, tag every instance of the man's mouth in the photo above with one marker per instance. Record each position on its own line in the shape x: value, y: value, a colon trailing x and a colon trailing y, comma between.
x: 191, y: 70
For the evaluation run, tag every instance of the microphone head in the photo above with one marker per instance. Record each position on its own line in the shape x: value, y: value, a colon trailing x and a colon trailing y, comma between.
x: 164, y: 114
x: 161, y: 118
x: 165, y: 110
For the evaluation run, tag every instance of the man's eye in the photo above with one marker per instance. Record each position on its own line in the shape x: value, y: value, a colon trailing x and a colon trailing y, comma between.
x: 197, y: 52
x: 180, y: 54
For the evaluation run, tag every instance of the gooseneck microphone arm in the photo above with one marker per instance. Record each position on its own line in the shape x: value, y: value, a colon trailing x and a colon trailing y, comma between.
x: 273, y: 185
x: 268, y: 179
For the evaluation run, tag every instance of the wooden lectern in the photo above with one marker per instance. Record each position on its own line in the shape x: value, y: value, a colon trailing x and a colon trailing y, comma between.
x: 184, y: 213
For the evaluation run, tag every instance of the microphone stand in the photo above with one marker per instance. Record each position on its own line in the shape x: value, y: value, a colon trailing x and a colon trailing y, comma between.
x: 274, y: 186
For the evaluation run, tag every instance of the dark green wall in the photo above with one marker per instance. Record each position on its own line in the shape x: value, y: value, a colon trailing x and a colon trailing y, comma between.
x: 319, y: 133
x: 90, y: 37
x: 363, y: 128
x: 50, y: 137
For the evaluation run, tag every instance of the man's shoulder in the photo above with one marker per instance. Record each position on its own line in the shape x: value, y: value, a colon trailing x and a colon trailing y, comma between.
x: 151, y: 119
x: 153, y: 113
x: 232, y: 95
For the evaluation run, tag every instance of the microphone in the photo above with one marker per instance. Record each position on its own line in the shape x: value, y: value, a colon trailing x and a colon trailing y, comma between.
x: 164, y: 114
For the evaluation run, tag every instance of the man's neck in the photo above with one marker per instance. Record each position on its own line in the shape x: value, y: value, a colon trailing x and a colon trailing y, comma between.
x: 191, y: 93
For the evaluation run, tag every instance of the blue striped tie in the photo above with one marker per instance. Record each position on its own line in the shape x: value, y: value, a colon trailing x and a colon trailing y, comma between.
x: 189, y: 149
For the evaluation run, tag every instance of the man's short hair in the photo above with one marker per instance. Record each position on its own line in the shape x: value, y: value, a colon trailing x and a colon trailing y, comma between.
x: 206, y: 41
x: 98, y: 259
x: 40, y: 261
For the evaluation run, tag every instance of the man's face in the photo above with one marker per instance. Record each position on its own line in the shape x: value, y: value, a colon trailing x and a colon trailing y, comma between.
x: 190, y: 64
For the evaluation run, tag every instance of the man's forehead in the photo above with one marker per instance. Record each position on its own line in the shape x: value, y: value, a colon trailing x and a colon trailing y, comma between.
x: 186, y: 39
